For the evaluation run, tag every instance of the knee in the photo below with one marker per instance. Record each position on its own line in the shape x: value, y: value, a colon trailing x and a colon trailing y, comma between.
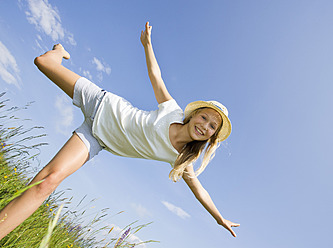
x: 50, y: 183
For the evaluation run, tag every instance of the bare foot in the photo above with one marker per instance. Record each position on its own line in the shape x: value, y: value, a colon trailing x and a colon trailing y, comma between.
x: 59, y: 47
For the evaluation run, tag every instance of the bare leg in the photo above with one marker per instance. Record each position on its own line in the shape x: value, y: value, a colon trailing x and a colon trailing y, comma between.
x: 69, y: 159
x: 50, y: 64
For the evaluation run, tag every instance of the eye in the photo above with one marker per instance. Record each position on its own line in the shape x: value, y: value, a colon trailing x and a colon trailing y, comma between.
x: 203, y: 117
x: 212, y: 126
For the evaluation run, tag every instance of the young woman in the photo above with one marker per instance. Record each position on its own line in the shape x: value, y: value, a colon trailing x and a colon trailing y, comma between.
x: 113, y: 124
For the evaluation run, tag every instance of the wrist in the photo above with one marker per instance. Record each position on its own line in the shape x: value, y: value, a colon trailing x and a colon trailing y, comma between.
x: 147, y: 44
x: 220, y: 220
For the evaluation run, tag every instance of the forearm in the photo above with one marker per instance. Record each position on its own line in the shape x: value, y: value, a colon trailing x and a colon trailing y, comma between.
x: 152, y: 65
x: 154, y: 72
x: 206, y: 201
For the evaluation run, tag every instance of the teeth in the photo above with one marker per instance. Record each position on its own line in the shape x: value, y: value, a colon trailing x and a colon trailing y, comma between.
x: 199, y: 130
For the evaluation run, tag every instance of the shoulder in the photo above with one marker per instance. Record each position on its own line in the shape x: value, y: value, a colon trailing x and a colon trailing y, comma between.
x: 169, y: 104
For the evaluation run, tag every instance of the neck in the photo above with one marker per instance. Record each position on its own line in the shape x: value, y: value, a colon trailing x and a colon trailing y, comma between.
x: 179, y: 136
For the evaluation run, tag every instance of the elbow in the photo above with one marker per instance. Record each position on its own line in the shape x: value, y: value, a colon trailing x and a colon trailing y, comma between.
x: 155, y: 73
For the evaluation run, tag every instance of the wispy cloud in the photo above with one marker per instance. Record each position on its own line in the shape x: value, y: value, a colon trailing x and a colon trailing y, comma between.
x: 101, y: 67
x: 141, y: 210
x: 176, y: 210
x: 9, y: 70
x: 87, y: 74
x: 46, y: 19
x: 66, y: 116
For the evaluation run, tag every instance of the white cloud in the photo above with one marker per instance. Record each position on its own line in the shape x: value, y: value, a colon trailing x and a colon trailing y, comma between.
x: 87, y: 74
x: 140, y: 210
x: 66, y: 116
x: 38, y: 43
x: 176, y: 210
x: 71, y: 39
x: 101, y: 67
x: 46, y: 19
x: 98, y: 63
x: 9, y: 70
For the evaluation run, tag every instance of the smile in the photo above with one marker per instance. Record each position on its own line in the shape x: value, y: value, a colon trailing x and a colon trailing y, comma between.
x: 199, y: 131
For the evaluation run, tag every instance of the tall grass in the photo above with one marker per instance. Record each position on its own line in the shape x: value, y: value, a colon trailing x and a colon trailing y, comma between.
x: 19, y: 150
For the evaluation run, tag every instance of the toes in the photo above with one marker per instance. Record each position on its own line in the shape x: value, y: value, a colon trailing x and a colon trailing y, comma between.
x: 57, y: 46
x: 66, y: 56
x: 60, y: 47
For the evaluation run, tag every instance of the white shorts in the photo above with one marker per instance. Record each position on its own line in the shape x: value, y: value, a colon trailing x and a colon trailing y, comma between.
x: 88, y: 96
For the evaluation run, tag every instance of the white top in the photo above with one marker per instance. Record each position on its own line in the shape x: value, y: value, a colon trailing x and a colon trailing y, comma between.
x: 127, y: 131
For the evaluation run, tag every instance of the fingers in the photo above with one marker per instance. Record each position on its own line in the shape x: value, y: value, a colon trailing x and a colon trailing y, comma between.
x: 229, y: 226
x: 145, y: 34
x: 232, y: 231
x: 148, y: 28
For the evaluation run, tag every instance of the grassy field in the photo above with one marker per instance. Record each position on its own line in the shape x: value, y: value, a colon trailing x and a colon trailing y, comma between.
x: 19, y: 149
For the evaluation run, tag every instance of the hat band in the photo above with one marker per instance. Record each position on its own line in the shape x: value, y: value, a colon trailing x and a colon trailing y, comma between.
x: 218, y: 107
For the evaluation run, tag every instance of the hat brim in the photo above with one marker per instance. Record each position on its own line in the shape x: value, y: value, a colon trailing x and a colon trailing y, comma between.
x: 225, y: 130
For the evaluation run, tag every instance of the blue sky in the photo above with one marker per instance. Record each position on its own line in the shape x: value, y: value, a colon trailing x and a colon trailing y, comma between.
x: 269, y: 62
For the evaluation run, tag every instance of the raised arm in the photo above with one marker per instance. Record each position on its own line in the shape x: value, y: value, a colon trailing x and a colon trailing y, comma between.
x: 154, y: 72
x: 203, y: 197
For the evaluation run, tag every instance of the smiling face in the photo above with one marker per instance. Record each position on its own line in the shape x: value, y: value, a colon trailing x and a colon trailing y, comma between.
x: 204, y: 123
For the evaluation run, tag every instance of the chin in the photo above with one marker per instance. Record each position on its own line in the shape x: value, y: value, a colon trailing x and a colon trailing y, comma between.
x: 201, y: 139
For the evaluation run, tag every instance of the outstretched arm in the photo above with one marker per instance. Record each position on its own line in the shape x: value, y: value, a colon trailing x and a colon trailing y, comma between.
x: 154, y: 72
x: 203, y: 197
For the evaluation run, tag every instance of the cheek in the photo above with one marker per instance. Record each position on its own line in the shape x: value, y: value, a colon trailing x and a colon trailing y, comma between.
x: 211, y: 132
x: 195, y: 119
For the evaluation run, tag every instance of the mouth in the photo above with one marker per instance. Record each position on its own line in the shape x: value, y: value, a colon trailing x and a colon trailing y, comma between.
x: 199, y: 131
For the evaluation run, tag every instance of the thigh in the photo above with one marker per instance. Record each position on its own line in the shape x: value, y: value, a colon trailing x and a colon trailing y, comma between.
x: 85, y: 134
x: 64, y: 78
x: 69, y: 159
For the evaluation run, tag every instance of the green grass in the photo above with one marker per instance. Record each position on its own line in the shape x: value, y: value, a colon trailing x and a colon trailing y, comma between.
x: 19, y: 150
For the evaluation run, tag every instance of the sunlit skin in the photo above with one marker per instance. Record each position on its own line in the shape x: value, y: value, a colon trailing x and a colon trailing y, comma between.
x: 201, y: 127
x: 204, y: 124
x: 75, y: 153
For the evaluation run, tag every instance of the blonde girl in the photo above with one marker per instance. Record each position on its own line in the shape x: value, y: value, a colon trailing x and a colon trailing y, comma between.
x: 113, y: 124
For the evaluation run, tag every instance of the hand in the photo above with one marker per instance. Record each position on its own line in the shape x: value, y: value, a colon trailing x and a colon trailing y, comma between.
x: 145, y: 35
x: 227, y: 224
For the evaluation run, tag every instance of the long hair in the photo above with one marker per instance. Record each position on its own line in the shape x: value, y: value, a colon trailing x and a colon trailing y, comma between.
x: 192, y: 151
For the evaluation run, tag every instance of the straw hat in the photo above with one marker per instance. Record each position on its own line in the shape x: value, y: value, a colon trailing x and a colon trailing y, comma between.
x: 222, y: 110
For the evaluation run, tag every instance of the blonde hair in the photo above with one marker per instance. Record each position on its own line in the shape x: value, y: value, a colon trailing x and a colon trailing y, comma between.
x: 192, y: 151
